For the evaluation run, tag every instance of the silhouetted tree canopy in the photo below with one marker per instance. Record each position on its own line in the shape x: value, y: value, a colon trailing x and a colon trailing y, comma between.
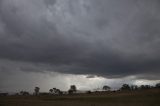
x: 125, y: 87
x: 134, y: 87
x: 88, y: 92
x: 36, y: 90
x: 72, y: 89
x: 106, y: 88
x: 51, y: 91
x: 143, y: 87
x: 157, y: 85
x: 55, y: 91
x: 24, y: 93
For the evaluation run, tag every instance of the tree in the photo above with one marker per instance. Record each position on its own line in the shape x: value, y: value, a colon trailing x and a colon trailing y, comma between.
x: 51, y: 91
x: 125, y: 87
x: 58, y: 91
x: 24, y: 93
x: 134, y: 87
x: 55, y: 91
x: 72, y: 89
x: 143, y: 87
x: 106, y: 88
x: 157, y: 85
x: 88, y: 92
x: 21, y: 92
x: 36, y: 90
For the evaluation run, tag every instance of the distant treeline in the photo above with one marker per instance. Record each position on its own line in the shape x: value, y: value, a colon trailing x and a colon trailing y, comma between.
x: 135, y: 87
x: 73, y: 90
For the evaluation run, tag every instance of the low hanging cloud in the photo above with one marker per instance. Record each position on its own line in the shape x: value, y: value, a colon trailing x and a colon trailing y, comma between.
x: 97, y: 37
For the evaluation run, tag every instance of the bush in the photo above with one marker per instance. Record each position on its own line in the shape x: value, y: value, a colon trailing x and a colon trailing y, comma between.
x: 157, y: 85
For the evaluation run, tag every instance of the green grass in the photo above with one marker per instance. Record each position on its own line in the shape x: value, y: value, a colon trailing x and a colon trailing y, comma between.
x: 136, y: 98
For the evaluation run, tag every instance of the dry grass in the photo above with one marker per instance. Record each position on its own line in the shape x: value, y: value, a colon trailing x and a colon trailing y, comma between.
x: 140, y: 98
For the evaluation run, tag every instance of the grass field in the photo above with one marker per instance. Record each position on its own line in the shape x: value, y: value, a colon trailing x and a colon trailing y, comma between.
x: 135, y: 98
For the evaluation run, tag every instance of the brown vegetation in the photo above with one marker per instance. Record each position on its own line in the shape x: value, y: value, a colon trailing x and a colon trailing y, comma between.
x: 150, y: 97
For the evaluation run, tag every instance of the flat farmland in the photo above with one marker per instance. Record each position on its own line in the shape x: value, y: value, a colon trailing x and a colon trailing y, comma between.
x: 125, y: 98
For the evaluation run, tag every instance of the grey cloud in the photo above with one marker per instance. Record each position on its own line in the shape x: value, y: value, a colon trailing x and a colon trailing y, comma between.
x: 50, y: 2
x: 102, y: 37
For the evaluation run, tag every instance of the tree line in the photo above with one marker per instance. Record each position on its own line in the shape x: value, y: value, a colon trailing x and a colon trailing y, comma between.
x: 135, y: 87
x: 73, y: 89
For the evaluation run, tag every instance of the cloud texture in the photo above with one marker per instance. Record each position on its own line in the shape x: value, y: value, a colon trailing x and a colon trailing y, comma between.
x: 112, y: 38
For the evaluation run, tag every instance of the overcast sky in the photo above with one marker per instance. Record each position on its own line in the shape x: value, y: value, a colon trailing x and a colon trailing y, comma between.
x: 55, y: 43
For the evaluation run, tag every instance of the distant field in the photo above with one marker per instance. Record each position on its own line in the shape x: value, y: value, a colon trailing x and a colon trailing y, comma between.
x: 136, y: 98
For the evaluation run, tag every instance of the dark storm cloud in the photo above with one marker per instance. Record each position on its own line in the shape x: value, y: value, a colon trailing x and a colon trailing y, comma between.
x: 113, y: 38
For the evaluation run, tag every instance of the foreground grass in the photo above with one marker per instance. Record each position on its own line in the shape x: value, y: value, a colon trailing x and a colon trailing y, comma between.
x: 136, y: 98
